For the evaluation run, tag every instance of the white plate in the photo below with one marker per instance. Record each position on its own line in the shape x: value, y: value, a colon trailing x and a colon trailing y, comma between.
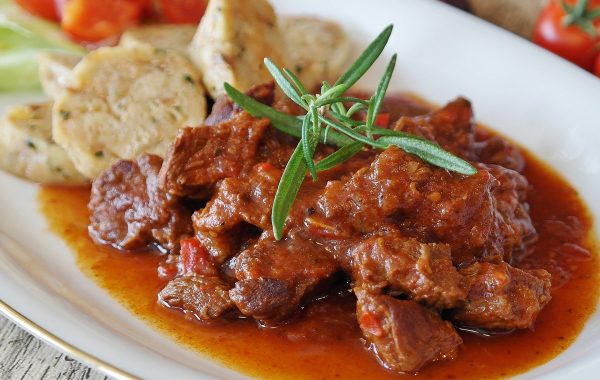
x: 545, y: 103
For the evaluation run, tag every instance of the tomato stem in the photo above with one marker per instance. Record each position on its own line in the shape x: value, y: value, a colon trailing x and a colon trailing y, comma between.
x: 580, y: 16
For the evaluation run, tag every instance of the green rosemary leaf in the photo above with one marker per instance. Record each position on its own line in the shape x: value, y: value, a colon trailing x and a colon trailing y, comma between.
x: 284, y: 84
x: 334, y: 102
x: 284, y: 122
x: 330, y: 94
x: 338, y: 106
x: 430, y: 152
x: 287, y: 190
x: 309, y: 145
x: 296, y: 81
x: 377, y: 99
x: 352, y: 133
x: 355, y: 108
x: 340, y: 156
x: 354, y: 100
x: 304, y: 139
x: 308, y: 98
x: 370, y: 118
x: 315, y: 119
x: 347, y: 99
x: 313, y: 143
x: 390, y: 132
x: 334, y: 138
x: 346, y: 120
x: 326, y: 133
x: 365, y: 61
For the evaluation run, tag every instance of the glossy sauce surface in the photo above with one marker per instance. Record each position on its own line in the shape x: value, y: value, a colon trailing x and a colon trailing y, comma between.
x: 325, y: 341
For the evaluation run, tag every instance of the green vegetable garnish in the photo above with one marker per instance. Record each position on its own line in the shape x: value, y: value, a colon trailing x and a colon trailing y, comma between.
x: 328, y: 121
x: 22, y: 38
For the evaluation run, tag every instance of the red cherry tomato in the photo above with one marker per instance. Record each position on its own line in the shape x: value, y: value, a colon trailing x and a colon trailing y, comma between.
x: 59, y: 6
x: 95, y: 21
x: 40, y: 8
x: 565, y: 33
x: 149, y: 7
x: 183, y: 11
x: 597, y: 66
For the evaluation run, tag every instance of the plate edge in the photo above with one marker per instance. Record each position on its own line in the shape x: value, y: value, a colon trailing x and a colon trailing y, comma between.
x: 56, y: 342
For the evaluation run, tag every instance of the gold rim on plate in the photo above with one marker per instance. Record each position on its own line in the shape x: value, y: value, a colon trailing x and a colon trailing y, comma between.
x: 60, y: 344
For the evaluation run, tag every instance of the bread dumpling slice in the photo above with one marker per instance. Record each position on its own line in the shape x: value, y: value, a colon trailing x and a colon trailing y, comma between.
x: 317, y: 50
x: 125, y: 101
x: 27, y: 149
x: 55, y: 71
x: 232, y: 41
x: 162, y: 36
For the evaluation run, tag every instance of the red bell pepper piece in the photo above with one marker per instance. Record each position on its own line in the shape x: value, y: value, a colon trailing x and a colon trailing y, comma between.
x: 382, y: 120
x: 195, y: 259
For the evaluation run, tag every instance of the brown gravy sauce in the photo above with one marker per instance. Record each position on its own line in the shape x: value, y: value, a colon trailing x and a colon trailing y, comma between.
x: 325, y: 341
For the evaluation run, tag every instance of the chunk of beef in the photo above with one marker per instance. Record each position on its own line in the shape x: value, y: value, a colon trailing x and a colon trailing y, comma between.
x: 265, y: 299
x: 230, y: 142
x: 398, y: 105
x: 478, y: 216
x: 244, y: 201
x: 501, y: 297
x: 511, y: 203
x: 129, y: 210
x: 498, y: 151
x: 452, y: 127
x: 199, y: 157
x: 237, y: 202
x: 224, y: 108
x: 274, y: 276
x: 205, y: 297
x: 405, y: 335
x: 398, y: 264
x: 276, y: 148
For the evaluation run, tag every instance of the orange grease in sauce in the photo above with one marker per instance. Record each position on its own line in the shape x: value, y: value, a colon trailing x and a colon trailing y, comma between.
x: 334, y: 347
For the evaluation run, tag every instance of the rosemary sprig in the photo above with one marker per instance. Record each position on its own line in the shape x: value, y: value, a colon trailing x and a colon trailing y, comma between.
x: 377, y: 98
x: 328, y: 121
x: 339, y: 156
x: 284, y: 122
x: 287, y: 190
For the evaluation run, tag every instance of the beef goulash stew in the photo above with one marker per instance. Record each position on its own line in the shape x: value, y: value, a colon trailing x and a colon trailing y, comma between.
x: 308, y: 214
x: 425, y: 247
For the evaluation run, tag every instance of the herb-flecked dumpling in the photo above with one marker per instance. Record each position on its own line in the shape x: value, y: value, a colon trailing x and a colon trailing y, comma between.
x: 125, y: 101
x: 232, y: 41
x: 28, y: 150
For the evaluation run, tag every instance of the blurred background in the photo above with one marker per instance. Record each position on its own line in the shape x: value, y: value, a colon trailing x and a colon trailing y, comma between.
x: 569, y: 28
x: 518, y: 16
